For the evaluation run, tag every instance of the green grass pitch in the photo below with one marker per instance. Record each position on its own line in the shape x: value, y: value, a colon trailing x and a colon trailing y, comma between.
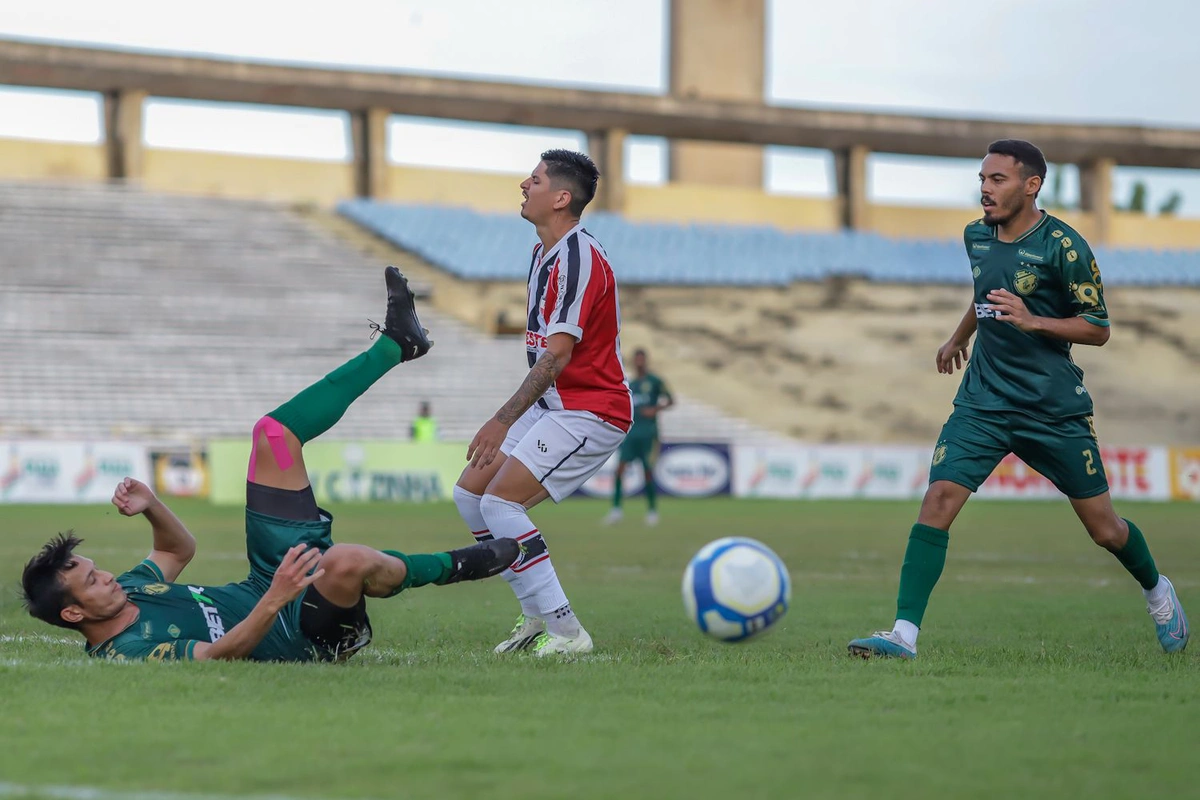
x: 1039, y: 674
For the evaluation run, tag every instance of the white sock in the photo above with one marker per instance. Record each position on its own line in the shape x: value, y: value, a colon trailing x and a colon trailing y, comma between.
x: 1159, y: 594
x: 532, y: 578
x: 907, y: 631
x: 562, y: 622
x: 468, y: 509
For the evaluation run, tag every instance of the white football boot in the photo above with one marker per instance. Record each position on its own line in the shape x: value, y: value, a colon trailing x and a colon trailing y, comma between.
x: 523, y: 635
x: 552, y: 644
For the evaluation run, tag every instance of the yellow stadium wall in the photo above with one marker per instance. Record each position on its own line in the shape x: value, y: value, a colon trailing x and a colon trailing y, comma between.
x: 325, y: 183
x: 1159, y: 233
x: 23, y: 160
x: 227, y: 175
x: 729, y: 205
x: 482, y: 191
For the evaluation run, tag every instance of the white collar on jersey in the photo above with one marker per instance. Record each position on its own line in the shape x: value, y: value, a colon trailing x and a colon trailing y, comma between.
x: 553, y: 251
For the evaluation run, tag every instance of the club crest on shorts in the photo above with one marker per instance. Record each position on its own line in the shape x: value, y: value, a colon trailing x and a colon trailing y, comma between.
x: 939, y: 453
x: 1025, y: 281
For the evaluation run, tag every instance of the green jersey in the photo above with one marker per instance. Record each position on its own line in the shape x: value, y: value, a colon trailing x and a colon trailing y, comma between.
x: 1052, y: 269
x: 174, y: 617
x: 648, y: 391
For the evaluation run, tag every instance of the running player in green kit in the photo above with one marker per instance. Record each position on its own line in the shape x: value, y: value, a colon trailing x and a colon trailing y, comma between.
x: 305, y: 597
x: 1037, y: 292
x: 650, y: 398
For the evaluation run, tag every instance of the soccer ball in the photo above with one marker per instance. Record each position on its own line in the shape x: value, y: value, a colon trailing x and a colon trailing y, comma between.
x: 735, y: 588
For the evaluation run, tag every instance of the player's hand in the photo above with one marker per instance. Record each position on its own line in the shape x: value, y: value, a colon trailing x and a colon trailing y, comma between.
x: 951, y: 356
x: 133, y: 497
x: 1010, y: 308
x: 649, y: 411
x: 292, y: 578
x: 486, y: 444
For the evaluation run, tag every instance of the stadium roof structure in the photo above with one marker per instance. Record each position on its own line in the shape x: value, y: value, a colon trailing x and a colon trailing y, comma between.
x: 28, y: 63
x: 126, y: 77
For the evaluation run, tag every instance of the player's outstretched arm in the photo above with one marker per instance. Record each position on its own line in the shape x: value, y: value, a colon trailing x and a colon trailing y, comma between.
x: 542, y: 375
x: 174, y: 545
x: 953, y: 354
x: 290, y: 580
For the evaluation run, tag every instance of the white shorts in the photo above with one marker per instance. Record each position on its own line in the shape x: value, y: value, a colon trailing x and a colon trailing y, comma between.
x: 561, y: 448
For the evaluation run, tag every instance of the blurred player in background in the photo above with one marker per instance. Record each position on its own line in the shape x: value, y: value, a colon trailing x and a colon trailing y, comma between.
x: 305, y: 597
x: 570, y: 414
x: 1037, y: 292
x: 650, y: 398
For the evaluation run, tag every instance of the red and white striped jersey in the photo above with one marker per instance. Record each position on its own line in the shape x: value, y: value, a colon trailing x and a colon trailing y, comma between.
x: 572, y: 290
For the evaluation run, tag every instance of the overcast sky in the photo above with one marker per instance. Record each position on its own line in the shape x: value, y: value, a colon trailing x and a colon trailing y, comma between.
x: 1095, y: 60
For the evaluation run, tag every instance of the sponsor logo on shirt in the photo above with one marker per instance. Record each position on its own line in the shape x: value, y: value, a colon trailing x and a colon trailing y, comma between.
x: 1086, y: 293
x: 155, y: 588
x: 984, y: 311
x: 980, y: 246
x: 535, y: 340
x: 1023, y: 253
x: 216, y: 626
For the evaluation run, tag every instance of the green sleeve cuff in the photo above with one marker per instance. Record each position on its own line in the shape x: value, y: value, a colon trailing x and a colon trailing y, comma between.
x: 155, y: 569
x: 1099, y: 322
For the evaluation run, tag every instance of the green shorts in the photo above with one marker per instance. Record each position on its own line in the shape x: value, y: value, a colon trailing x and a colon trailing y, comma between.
x: 639, y: 448
x: 267, y: 541
x: 974, y: 441
x: 269, y: 538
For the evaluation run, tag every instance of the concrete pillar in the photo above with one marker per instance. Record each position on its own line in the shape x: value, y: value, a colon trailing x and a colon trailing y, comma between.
x: 123, y: 133
x: 850, y: 170
x: 607, y: 149
x: 368, y: 138
x: 717, y: 52
x: 1095, y: 196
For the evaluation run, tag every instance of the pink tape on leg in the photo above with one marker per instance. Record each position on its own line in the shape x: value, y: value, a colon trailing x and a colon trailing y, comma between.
x: 276, y: 439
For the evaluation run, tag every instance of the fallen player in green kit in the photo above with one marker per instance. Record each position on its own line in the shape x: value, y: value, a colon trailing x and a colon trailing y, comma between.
x: 305, y: 597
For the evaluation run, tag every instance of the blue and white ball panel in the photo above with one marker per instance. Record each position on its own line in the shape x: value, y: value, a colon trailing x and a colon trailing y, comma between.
x: 736, y: 587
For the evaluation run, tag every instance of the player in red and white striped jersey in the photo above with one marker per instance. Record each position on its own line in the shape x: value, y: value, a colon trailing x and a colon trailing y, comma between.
x: 570, y: 414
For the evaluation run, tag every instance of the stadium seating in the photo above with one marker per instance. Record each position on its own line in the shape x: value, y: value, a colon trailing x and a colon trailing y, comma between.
x: 171, y: 318
x: 480, y: 246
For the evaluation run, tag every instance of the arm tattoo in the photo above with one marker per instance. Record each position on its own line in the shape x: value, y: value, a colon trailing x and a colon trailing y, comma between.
x: 540, y: 378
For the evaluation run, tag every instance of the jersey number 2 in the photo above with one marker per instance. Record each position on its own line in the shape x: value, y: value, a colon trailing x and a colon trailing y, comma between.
x: 1089, y: 462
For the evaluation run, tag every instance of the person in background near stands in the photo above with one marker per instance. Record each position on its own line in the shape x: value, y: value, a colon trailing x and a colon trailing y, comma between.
x: 650, y: 397
x: 424, y: 426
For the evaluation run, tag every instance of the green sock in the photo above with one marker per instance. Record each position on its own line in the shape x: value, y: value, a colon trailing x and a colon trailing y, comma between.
x: 617, y: 490
x: 651, y: 489
x: 923, y: 562
x: 319, y: 407
x: 1135, y: 557
x: 423, y: 569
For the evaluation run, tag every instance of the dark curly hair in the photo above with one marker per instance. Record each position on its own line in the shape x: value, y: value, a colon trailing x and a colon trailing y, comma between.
x: 45, y: 595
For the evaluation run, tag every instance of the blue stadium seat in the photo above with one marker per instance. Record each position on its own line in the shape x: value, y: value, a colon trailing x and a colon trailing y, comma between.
x: 478, y: 246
